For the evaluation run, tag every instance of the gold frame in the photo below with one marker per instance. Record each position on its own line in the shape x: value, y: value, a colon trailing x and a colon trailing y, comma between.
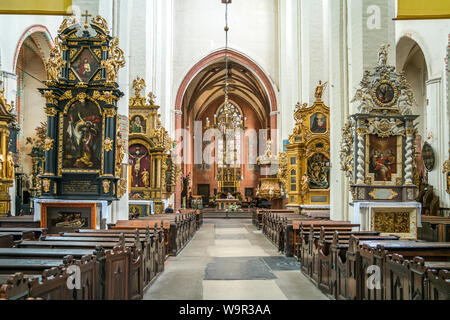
x: 61, y: 170
x: 398, y: 175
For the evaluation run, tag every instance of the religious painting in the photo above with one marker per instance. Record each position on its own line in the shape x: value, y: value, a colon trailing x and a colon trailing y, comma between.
x: 82, y: 137
x: 58, y: 217
x: 318, y: 123
x: 140, y: 166
x: 85, y: 65
x: 384, y: 93
x: 383, y: 157
x: 318, y: 171
x: 137, y: 124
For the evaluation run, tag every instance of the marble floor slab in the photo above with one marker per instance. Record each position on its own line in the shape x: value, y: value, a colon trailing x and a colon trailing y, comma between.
x: 242, y: 290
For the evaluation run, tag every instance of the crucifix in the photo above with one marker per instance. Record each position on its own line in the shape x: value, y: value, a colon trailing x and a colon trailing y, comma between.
x: 86, y: 15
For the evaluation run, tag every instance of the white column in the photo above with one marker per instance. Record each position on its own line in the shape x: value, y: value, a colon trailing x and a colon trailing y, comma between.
x: 339, y: 106
x: 436, y: 133
x: 289, y: 61
x: 357, y: 28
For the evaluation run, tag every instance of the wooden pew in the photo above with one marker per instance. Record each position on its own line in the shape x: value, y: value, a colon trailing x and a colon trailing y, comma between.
x: 19, y: 222
x: 439, y: 284
x: 156, y: 255
x: 319, y: 257
x: 20, y: 235
x: 6, y: 241
x: 14, y: 287
x: 87, y: 265
x: 123, y: 265
x: 38, y: 232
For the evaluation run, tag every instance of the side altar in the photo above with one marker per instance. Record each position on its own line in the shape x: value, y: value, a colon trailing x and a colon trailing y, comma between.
x: 154, y: 169
x: 305, y: 165
x: 83, y: 148
x: 378, y: 152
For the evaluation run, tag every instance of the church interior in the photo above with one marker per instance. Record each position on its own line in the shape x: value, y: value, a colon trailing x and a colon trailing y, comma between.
x: 225, y: 150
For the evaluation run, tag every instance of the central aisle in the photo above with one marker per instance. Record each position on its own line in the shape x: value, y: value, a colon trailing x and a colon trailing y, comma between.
x: 231, y: 259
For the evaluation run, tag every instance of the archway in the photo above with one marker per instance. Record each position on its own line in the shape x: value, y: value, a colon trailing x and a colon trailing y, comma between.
x: 32, y: 51
x: 200, y: 97
x: 411, y: 60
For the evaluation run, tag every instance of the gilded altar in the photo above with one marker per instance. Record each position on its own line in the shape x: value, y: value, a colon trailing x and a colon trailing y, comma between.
x: 305, y: 165
x: 82, y: 147
x: 6, y: 157
x: 154, y: 169
x: 378, y: 142
x: 378, y: 150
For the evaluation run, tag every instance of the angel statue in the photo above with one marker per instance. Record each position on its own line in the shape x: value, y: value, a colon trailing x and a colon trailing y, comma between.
x: 365, y: 101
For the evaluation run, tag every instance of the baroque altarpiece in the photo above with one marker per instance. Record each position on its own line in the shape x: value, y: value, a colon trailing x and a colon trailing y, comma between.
x: 304, y: 166
x: 6, y: 157
x: 154, y: 170
x: 378, y: 152
x: 83, y: 150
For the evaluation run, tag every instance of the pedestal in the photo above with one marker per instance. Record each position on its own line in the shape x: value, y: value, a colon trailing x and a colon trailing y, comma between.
x: 99, y: 210
x: 398, y: 218
x: 5, y: 199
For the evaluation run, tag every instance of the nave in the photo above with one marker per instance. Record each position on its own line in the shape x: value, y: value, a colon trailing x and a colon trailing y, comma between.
x: 229, y: 259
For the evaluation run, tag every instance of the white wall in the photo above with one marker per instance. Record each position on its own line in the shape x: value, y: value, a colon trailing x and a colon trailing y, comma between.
x: 432, y: 38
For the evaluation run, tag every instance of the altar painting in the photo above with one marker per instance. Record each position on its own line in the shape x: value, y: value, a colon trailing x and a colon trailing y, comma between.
x: 137, y: 124
x: 384, y: 157
x: 140, y: 166
x: 82, y: 137
x: 85, y: 65
x: 319, y: 171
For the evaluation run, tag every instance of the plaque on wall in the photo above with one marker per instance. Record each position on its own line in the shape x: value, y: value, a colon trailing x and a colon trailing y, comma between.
x: 428, y: 156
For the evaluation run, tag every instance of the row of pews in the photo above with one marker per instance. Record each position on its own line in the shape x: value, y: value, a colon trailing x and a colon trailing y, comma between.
x: 114, y: 264
x: 360, y: 265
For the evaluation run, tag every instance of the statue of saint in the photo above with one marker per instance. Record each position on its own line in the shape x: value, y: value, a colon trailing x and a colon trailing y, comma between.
x: 145, y: 178
x: 319, y: 90
x: 10, y: 166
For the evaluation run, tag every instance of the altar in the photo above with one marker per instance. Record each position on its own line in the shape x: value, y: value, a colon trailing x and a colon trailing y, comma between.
x: 224, y: 204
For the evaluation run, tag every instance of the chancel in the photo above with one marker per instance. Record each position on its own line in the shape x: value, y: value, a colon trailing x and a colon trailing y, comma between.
x: 224, y: 150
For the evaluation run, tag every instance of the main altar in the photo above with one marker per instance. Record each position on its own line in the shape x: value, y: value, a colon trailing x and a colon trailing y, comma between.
x: 82, y: 167
x: 378, y: 152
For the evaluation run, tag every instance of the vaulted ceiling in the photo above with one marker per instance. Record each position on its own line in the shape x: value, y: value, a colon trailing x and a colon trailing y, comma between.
x: 208, y: 86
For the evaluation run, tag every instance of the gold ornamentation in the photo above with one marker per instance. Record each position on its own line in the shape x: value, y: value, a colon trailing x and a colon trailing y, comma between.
x: 6, y: 107
x: 50, y: 98
x: 138, y: 86
x: 66, y: 96
x: 100, y: 23
x: 67, y: 23
x: 108, y: 144
x: 46, y: 185
x: 81, y: 97
x: 55, y: 63
x: 106, y: 186
x: 319, y: 90
x: 48, y: 144
x: 116, y: 60
x: 107, y: 96
x: 346, y: 153
x: 446, y: 171
x: 110, y: 113
x: 151, y: 98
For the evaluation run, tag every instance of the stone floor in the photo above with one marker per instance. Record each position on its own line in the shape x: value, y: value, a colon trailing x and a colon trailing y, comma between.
x: 229, y: 259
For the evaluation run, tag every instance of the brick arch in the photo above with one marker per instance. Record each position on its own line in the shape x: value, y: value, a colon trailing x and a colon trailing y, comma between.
x: 238, y: 57
x: 31, y: 32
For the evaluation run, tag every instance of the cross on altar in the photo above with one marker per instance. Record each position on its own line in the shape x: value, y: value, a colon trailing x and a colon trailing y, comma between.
x: 86, y: 15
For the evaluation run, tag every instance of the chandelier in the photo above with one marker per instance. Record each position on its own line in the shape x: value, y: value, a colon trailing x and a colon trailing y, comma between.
x: 229, y: 122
